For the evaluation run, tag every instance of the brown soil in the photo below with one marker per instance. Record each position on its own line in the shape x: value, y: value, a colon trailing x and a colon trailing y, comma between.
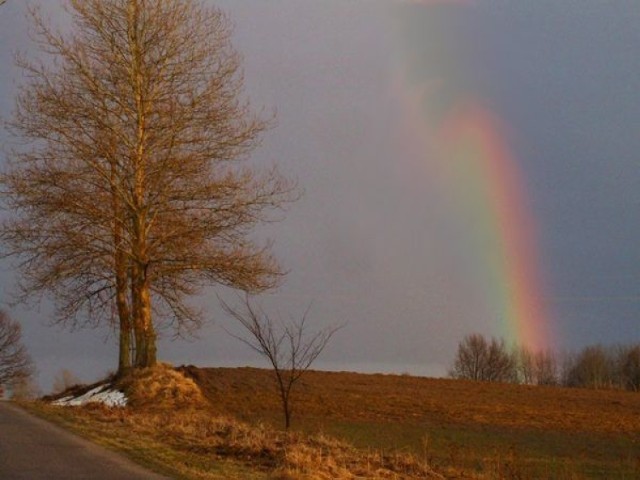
x: 250, y: 393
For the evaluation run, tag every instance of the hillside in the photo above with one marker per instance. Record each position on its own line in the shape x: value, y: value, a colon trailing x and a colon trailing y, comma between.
x: 555, y: 432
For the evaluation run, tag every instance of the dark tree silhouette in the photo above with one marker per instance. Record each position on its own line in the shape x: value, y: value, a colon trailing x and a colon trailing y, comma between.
x: 479, y: 359
x: 15, y: 363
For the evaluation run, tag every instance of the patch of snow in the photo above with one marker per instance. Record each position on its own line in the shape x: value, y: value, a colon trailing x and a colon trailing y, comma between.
x: 102, y: 394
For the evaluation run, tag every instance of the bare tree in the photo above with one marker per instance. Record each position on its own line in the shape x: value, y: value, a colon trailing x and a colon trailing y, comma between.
x: 630, y: 368
x: 470, y: 358
x: 64, y: 380
x: 479, y: 359
x: 501, y: 364
x: 526, y: 365
x: 15, y: 363
x: 591, y: 368
x: 126, y: 193
x: 597, y: 366
x: 25, y: 389
x: 287, y: 347
x: 536, y: 368
x: 546, y: 368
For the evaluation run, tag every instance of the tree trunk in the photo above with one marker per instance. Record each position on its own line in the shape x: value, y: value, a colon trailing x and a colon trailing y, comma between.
x: 120, y: 268
x: 138, y: 328
x: 124, y: 358
x: 287, y: 411
x: 141, y: 300
x: 147, y: 324
x: 141, y: 296
x: 284, y: 397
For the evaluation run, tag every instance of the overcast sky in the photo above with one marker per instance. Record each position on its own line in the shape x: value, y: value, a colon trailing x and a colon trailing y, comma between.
x: 371, y: 241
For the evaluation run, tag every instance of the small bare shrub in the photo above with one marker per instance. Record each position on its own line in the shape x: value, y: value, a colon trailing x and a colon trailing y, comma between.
x: 289, y: 348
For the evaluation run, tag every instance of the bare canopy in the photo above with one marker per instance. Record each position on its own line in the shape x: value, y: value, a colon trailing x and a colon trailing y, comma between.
x: 127, y: 195
x: 483, y: 360
x: 15, y: 363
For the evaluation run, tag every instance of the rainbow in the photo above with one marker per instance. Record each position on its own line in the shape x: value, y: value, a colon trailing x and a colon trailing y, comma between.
x: 465, y: 146
x: 473, y: 143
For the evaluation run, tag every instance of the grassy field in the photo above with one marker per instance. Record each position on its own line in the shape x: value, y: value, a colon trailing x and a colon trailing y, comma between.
x: 349, y: 426
x: 496, y: 430
x: 170, y: 427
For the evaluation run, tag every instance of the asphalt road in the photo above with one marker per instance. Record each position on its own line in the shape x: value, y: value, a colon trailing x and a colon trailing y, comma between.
x: 33, y: 449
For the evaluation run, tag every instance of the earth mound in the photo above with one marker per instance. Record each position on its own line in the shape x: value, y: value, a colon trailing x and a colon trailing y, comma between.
x: 160, y: 387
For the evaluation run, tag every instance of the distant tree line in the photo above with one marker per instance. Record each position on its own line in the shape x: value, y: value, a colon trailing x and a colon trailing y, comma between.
x: 595, y: 366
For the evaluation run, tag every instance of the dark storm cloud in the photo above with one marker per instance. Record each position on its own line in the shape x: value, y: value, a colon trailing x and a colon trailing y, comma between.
x: 570, y: 76
x: 365, y: 242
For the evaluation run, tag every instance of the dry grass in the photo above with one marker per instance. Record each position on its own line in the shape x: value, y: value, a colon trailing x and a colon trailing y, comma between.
x: 170, y: 427
x: 160, y: 387
x: 401, y: 427
x: 196, y: 444
x: 497, y: 431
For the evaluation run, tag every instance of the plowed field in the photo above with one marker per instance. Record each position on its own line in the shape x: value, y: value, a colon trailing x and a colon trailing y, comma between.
x: 514, y: 430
